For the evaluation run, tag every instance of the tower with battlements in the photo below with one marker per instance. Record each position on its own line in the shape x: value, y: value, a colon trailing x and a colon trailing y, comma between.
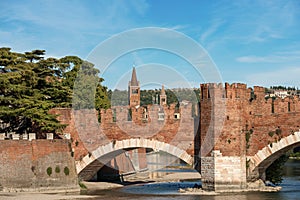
x: 134, y: 90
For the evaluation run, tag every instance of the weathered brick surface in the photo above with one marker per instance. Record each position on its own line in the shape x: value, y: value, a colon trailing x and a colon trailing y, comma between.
x: 87, y: 134
x: 239, y: 122
x: 23, y: 165
x: 228, y: 114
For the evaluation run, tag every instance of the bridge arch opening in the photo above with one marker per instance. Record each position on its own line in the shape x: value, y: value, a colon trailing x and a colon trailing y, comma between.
x: 94, y: 161
x: 258, y: 164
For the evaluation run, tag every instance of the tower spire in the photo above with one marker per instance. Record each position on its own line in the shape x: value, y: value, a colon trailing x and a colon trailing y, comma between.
x: 134, y: 90
x: 163, y: 90
x: 134, y: 81
x: 162, y: 96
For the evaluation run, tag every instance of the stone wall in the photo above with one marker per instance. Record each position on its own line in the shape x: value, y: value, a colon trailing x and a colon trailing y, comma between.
x: 221, y: 173
x: 26, y: 165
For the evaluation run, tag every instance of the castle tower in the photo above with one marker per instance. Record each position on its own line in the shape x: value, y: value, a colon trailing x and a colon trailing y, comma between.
x: 162, y: 97
x: 134, y: 90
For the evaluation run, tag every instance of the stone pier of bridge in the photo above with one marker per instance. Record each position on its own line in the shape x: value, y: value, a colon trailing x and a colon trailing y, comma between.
x: 242, y: 133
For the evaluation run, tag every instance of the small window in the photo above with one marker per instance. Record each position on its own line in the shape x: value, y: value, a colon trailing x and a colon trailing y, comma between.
x: 177, y: 116
x: 161, y: 116
x: 134, y: 91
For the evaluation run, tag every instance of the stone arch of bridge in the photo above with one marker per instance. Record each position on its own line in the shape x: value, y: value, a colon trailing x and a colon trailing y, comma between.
x: 95, y: 160
x: 258, y: 163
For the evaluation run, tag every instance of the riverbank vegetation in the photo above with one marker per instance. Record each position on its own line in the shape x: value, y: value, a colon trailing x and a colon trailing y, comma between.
x: 295, y: 155
x: 274, y: 172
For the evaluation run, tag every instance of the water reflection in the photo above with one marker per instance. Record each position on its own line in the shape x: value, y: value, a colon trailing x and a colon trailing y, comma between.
x: 159, y: 165
x: 292, y: 168
x: 290, y: 191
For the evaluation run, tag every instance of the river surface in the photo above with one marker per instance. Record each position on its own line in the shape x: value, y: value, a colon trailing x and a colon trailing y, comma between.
x: 162, y: 191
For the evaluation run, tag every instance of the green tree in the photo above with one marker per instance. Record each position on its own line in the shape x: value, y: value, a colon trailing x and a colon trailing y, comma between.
x: 88, y: 91
x: 31, y: 85
x: 274, y: 172
x: 118, y: 97
x: 26, y: 82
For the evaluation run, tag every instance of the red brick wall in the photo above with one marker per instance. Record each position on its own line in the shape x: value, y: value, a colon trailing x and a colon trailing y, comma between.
x: 23, y: 164
x: 243, y: 115
x: 87, y: 134
x: 227, y: 114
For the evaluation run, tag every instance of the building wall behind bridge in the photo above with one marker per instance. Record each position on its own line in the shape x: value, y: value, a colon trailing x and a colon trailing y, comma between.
x: 24, y: 164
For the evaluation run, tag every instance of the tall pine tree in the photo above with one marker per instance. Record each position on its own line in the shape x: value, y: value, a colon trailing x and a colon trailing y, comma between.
x: 31, y: 85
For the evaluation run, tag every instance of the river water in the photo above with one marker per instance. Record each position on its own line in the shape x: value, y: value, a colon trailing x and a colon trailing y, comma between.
x: 162, y: 191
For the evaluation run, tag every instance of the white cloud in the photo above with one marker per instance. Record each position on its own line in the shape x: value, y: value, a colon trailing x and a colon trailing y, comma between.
x: 74, y: 27
x: 278, y: 57
x: 178, y: 27
x: 288, y: 76
x: 211, y: 30
x: 250, y: 22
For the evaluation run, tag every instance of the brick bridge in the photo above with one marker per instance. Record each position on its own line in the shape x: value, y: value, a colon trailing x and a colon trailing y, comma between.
x: 231, y: 140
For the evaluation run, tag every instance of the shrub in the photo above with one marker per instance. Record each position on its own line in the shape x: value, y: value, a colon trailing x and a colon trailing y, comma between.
x: 278, y: 131
x: 49, y: 171
x: 66, y: 171
x: 271, y: 133
x: 274, y: 173
x: 82, y: 186
x: 57, y: 169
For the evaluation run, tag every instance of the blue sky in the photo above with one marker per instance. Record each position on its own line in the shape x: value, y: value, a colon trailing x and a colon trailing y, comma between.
x: 254, y: 42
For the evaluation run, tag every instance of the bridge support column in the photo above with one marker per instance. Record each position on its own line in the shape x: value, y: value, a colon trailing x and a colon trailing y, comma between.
x: 223, y: 173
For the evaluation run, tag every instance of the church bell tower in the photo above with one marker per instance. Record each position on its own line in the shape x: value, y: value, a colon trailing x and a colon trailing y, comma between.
x: 134, y: 90
x: 162, y: 97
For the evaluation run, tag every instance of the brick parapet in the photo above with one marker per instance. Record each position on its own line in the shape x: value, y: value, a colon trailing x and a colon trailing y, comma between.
x: 25, y: 165
x: 88, y: 134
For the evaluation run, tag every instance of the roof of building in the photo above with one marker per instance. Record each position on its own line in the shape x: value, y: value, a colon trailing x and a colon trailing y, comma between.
x: 163, y: 90
x: 134, y: 81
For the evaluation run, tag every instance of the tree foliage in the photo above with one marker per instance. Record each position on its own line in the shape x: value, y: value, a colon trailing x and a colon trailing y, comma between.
x: 174, y: 96
x: 88, y: 91
x: 30, y: 85
x: 274, y: 172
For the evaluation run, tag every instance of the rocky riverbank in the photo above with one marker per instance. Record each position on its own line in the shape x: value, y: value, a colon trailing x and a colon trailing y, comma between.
x: 97, y: 186
x: 258, y: 186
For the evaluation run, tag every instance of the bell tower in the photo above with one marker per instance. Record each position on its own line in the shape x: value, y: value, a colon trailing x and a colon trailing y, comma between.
x: 134, y: 90
x: 162, y: 97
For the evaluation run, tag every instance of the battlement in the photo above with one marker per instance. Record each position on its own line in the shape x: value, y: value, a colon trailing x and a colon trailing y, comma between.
x: 258, y: 89
x: 145, y: 114
x: 232, y: 91
x: 214, y: 90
